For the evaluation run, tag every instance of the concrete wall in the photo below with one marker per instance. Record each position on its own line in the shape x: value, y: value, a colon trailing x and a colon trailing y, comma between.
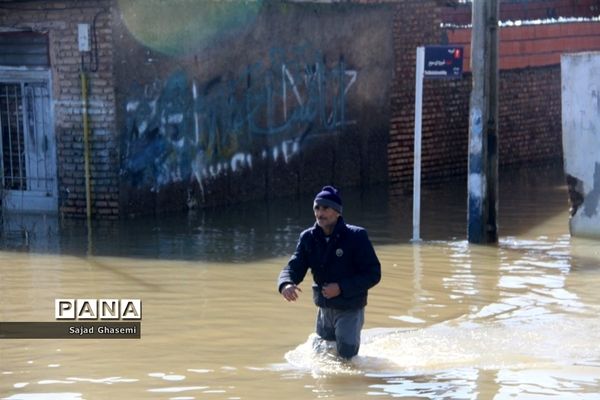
x: 581, y: 139
x: 268, y: 99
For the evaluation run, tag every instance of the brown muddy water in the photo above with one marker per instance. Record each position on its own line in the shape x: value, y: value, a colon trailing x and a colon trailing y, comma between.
x: 519, y: 320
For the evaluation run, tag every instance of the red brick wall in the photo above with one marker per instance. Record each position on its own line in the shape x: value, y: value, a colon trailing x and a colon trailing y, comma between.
x: 535, y: 45
x: 416, y: 24
x: 530, y: 115
x: 528, y: 10
x: 60, y: 19
x: 529, y: 103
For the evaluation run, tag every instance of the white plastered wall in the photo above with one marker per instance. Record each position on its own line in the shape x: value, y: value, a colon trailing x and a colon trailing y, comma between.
x: 580, y: 81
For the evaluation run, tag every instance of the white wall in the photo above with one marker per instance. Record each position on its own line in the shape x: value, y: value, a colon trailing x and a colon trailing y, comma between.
x: 580, y: 79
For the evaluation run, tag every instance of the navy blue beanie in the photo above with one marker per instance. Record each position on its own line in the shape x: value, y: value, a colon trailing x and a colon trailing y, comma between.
x: 329, y: 197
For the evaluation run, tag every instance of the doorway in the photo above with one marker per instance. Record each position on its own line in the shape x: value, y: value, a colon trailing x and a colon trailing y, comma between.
x: 28, y: 145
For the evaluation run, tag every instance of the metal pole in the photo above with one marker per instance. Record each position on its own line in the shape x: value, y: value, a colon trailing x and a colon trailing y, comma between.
x: 417, y: 151
x: 86, y: 147
x: 483, y: 124
x: 492, y: 122
x: 86, y: 157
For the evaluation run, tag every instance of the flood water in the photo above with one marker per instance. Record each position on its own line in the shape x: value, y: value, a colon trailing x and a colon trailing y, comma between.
x: 449, y: 320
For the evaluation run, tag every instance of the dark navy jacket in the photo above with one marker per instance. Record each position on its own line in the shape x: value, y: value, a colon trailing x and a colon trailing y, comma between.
x: 348, y: 259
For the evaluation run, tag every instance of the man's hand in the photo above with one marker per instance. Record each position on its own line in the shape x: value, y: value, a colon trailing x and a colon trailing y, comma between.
x: 290, y: 292
x: 331, y: 290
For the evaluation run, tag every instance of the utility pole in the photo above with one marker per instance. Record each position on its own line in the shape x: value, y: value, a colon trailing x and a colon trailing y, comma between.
x: 483, y: 124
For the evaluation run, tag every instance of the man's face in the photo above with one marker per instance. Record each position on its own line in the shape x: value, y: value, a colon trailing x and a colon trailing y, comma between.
x: 326, y: 217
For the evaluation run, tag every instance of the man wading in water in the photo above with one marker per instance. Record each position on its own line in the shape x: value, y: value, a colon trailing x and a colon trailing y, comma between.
x: 344, y: 267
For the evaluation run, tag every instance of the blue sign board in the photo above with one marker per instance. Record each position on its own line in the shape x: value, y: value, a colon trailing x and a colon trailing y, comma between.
x: 443, y: 62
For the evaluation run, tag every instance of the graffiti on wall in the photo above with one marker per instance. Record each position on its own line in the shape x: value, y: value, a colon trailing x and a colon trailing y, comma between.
x: 180, y: 129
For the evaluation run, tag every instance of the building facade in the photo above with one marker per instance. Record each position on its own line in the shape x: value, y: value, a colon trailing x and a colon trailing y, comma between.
x: 120, y: 108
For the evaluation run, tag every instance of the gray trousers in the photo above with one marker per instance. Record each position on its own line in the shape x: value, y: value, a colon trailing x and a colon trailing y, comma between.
x: 343, y: 326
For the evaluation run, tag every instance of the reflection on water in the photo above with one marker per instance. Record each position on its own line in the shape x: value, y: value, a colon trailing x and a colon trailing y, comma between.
x: 257, y: 230
x: 448, y: 321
